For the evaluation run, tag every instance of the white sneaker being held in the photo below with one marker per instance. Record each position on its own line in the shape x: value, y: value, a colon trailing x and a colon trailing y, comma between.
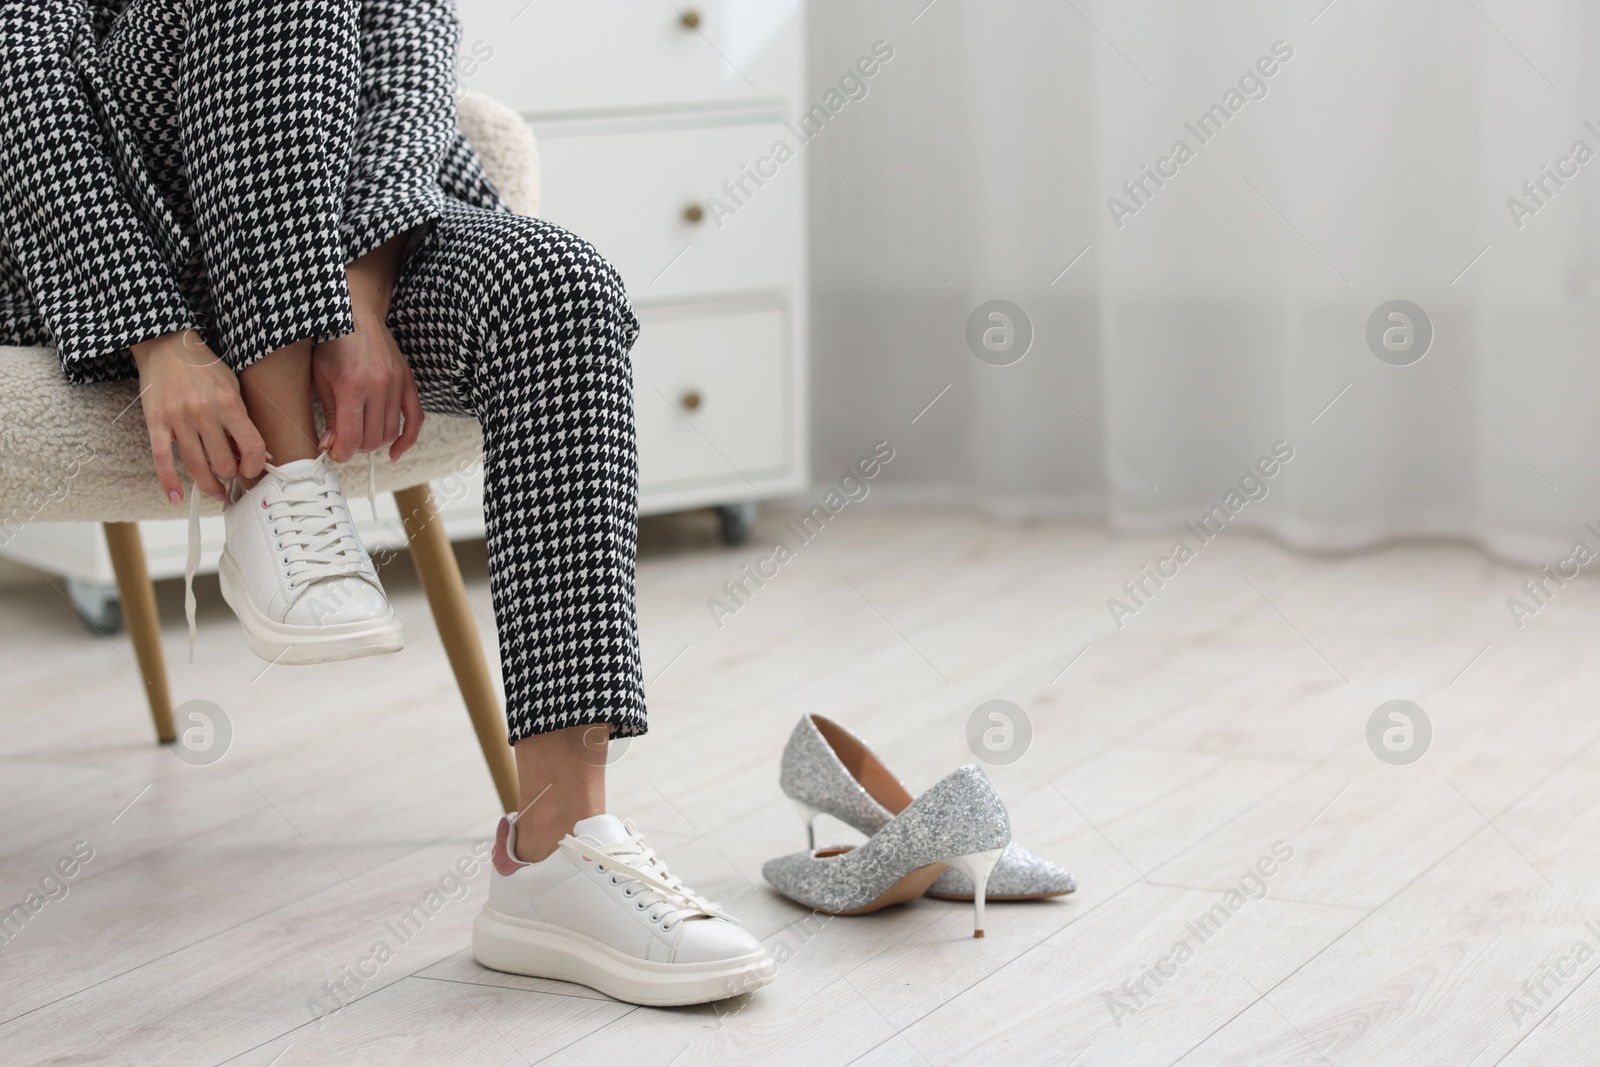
x: 602, y: 910
x: 294, y: 571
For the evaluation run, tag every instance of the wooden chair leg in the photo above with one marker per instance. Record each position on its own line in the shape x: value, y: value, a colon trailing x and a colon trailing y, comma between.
x: 441, y: 580
x: 144, y: 626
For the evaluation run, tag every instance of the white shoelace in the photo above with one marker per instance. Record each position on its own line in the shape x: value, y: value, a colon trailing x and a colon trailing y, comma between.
x: 659, y: 891
x: 311, y: 540
x: 191, y: 564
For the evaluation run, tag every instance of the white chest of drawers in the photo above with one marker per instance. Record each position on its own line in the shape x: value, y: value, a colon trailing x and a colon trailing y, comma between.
x: 655, y: 125
x: 653, y: 121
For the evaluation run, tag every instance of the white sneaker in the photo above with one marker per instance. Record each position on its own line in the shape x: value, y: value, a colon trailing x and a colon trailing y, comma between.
x: 604, y: 911
x: 295, y: 573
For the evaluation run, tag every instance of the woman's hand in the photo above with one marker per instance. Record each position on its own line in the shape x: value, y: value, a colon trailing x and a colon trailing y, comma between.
x: 363, y: 380
x: 191, y: 398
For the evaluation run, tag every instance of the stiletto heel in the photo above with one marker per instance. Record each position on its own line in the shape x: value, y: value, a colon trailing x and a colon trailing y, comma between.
x: 977, y: 867
x: 808, y: 815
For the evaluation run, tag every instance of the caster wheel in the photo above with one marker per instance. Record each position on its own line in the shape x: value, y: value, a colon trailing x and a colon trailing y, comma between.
x: 99, y: 606
x: 737, y: 519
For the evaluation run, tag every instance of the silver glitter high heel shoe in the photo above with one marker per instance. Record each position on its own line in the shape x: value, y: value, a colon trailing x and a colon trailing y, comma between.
x: 828, y: 770
x: 959, y: 823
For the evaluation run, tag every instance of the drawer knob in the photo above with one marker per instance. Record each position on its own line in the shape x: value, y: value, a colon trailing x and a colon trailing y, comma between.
x: 691, y: 19
x: 690, y: 400
x: 693, y: 213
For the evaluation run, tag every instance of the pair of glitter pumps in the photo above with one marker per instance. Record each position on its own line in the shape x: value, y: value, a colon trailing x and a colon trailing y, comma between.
x: 953, y: 842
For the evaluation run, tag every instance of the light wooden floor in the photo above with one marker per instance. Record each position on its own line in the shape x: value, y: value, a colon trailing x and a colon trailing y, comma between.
x: 1167, y: 757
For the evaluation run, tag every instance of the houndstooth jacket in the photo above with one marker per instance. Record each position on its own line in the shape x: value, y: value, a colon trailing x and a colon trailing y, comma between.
x: 92, y: 259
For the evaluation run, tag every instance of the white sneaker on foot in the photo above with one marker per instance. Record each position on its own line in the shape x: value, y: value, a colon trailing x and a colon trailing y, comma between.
x: 603, y: 911
x: 295, y: 573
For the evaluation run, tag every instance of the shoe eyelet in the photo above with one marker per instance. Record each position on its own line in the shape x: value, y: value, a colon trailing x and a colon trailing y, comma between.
x: 639, y: 905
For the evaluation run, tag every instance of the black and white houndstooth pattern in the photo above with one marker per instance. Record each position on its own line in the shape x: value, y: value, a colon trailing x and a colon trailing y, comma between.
x: 267, y: 143
x: 320, y: 131
x: 525, y: 326
x: 79, y: 268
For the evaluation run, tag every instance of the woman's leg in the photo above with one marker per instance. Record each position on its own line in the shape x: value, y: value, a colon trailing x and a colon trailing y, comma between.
x: 266, y: 108
x: 243, y: 114
x: 267, y: 100
x: 525, y: 326
x: 277, y: 394
x: 561, y: 776
x: 521, y: 324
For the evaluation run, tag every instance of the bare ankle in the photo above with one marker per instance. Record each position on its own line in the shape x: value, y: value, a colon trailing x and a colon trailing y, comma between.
x: 562, y: 778
x: 533, y: 840
x: 277, y: 392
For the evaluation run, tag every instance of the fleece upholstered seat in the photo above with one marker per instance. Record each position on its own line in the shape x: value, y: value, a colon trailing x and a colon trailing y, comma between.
x: 82, y: 453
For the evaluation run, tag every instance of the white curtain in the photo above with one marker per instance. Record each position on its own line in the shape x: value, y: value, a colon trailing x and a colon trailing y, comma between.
x: 1228, y: 312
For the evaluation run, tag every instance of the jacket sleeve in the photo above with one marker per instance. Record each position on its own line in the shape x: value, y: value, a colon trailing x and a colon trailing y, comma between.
x: 97, y: 275
x: 406, y: 122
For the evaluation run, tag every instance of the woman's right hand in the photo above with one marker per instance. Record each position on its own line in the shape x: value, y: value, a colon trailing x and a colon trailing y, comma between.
x: 192, y: 398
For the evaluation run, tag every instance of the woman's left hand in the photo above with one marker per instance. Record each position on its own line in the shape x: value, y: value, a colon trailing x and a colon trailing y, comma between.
x: 363, y: 380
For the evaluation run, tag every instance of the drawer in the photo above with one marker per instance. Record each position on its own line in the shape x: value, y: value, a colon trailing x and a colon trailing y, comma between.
x: 634, y: 194
x: 585, y: 56
x: 713, y: 398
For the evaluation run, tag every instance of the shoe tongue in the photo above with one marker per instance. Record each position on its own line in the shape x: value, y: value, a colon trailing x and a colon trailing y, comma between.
x: 303, y: 470
x: 605, y: 829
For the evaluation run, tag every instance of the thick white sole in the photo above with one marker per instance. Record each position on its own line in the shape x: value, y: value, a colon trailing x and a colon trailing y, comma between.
x: 292, y: 645
x: 541, y: 950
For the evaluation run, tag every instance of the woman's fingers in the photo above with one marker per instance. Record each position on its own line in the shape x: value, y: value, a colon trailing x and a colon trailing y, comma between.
x: 219, y: 451
x: 394, y: 413
x: 367, y: 392
x: 194, y: 460
x: 247, y: 442
x: 330, y: 406
x: 194, y: 404
x: 342, y: 387
x: 376, y: 412
x: 400, y: 380
x: 166, y: 470
x: 411, y: 409
x: 348, y: 420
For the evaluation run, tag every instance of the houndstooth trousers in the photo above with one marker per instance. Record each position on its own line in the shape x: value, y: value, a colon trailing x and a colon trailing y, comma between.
x: 284, y: 138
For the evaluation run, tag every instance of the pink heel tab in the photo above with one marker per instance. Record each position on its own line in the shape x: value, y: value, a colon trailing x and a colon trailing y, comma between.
x: 504, y: 861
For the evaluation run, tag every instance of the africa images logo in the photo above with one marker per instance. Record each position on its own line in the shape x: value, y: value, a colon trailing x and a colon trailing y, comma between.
x: 1252, y: 487
x: 852, y: 86
x: 1252, y: 85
